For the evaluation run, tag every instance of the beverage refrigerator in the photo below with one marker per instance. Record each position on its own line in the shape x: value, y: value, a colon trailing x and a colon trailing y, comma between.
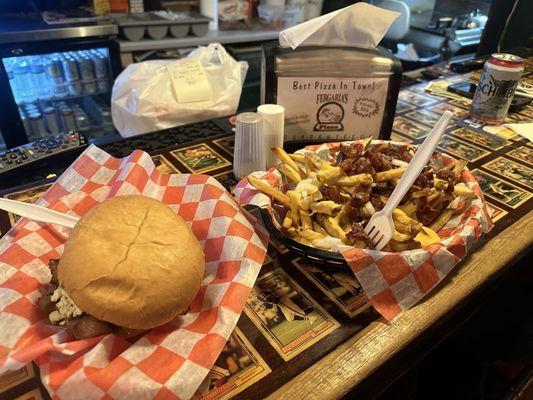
x: 51, y: 86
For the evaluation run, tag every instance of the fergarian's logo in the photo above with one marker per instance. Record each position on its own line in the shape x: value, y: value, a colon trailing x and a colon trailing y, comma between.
x: 329, y: 117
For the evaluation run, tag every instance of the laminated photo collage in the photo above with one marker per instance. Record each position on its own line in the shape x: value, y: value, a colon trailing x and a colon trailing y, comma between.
x: 298, y: 310
x: 501, y: 160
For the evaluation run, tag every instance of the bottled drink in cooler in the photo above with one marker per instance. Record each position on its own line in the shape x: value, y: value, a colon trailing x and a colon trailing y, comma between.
x: 100, y: 66
x: 38, y: 77
x: 54, y: 72
x: 75, y: 88
x: 8, y: 64
x: 70, y: 68
x: 86, y: 68
x: 51, y: 120
x: 37, y: 125
x: 21, y: 74
x: 82, y: 121
x: 26, y: 125
x: 67, y: 119
x: 89, y: 87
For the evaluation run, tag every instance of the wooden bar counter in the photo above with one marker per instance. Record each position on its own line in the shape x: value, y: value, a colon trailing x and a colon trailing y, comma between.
x: 336, y: 344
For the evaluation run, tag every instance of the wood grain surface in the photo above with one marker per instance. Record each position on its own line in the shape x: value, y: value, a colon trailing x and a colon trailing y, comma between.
x: 351, y: 362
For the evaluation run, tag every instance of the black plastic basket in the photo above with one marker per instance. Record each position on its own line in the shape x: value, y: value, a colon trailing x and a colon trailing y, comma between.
x: 328, y: 259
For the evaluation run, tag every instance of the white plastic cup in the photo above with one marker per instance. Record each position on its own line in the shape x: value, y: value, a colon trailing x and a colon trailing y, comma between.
x: 273, y: 117
x: 313, y: 9
x: 300, y: 4
x: 249, y: 152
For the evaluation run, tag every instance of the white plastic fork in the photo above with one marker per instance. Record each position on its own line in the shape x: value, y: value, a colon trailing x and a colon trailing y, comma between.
x: 380, y: 228
x: 38, y: 213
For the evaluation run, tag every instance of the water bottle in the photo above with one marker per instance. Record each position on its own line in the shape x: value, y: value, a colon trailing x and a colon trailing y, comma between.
x: 8, y: 63
x: 21, y: 74
x: 38, y: 77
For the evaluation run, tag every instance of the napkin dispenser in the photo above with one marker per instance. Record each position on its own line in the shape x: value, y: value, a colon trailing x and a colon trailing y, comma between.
x: 333, y: 80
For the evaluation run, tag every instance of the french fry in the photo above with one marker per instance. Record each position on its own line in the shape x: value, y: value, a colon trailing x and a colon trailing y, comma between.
x: 440, y: 184
x: 285, y: 159
x: 366, y: 142
x: 402, y: 218
x: 269, y: 190
x: 332, y: 227
x: 294, y: 208
x: 354, y: 180
x: 318, y: 228
x: 405, y: 229
x: 423, y: 193
x: 329, y: 174
x: 309, y: 166
x: 359, y: 244
x: 436, y: 200
x: 310, y: 234
x: 464, y: 191
x: 317, y: 161
x: 287, y: 222
x: 297, y: 157
x: 441, y: 220
x: 390, y: 174
x: 402, y: 237
x: 403, y: 246
x: 290, y: 173
x: 325, y: 207
x: 409, y: 208
x: 302, y: 240
x: 305, y: 217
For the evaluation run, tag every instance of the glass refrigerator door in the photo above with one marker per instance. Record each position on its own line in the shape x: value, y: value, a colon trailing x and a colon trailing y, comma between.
x: 57, y: 92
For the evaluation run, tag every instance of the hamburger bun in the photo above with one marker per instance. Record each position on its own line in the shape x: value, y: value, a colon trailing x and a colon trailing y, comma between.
x: 133, y: 262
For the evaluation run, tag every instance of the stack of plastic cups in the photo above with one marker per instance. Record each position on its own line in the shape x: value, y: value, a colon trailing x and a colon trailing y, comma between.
x: 249, y: 153
x: 273, y: 129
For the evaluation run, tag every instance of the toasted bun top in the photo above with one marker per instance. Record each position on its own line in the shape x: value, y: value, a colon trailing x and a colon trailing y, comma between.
x: 133, y: 262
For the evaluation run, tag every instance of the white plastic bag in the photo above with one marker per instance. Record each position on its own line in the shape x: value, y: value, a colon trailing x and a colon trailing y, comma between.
x: 147, y: 96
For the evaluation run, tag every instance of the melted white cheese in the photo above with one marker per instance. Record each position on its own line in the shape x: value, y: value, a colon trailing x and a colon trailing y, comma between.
x: 65, y: 307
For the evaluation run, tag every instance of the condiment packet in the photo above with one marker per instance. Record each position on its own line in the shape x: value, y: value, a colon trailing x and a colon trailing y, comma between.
x: 396, y: 281
x: 167, y: 362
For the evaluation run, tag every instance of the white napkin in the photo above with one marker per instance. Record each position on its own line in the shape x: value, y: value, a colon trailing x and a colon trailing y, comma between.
x: 523, y: 129
x: 358, y: 25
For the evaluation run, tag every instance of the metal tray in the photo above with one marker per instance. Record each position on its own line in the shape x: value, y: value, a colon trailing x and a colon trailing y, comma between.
x: 134, y: 26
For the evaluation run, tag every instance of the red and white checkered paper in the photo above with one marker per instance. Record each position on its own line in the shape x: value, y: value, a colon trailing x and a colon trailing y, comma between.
x: 396, y: 281
x: 168, y: 362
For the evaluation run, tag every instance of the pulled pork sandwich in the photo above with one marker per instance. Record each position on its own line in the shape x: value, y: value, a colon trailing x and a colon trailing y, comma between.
x: 130, y: 264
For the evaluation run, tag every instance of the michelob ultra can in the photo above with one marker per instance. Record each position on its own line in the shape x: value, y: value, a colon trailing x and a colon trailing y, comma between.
x: 496, y: 88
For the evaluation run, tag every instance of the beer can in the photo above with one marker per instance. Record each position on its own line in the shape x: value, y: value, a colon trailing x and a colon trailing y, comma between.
x: 496, y: 88
x: 67, y: 119
x: 60, y: 90
x: 89, y: 87
x: 102, y: 85
x: 26, y: 124
x: 82, y: 121
x: 53, y: 70
x: 100, y: 66
x: 86, y: 68
x: 75, y: 88
x: 70, y: 67
x: 51, y: 119
x: 37, y: 124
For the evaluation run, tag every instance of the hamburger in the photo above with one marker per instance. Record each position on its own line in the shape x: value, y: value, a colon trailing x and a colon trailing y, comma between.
x: 129, y: 265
